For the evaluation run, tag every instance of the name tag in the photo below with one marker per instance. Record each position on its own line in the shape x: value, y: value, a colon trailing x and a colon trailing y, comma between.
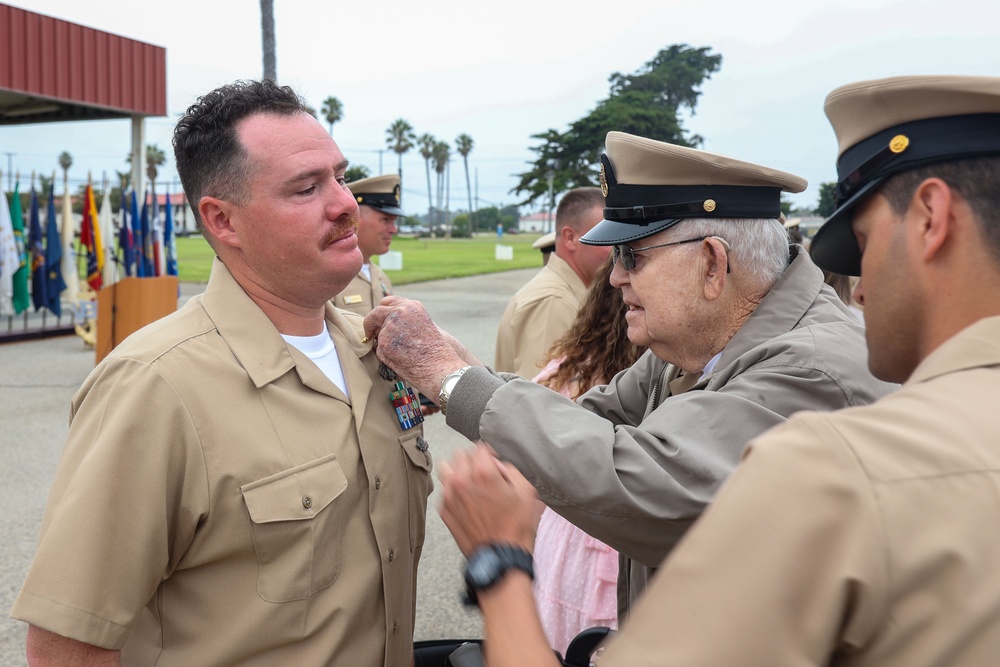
x: 352, y: 299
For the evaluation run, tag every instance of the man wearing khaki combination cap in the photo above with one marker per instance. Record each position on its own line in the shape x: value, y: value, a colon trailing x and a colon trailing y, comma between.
x: 742, y: 334
x: 378, y: 204
x: 866, y: 536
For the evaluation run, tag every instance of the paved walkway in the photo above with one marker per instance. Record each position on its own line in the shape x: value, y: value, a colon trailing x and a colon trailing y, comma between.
x: 38, y: 378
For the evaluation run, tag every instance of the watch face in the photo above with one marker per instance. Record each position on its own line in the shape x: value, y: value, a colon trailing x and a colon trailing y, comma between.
x: 483, y: 569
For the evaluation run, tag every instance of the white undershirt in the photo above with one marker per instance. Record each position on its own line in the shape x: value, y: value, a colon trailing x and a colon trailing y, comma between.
x: 323, y: 352
x: 366, y: 269
x: 710, y: 366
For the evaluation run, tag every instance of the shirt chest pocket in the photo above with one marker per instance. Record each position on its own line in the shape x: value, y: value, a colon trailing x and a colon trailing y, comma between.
x: 297, y: 528
x: 419, y: 484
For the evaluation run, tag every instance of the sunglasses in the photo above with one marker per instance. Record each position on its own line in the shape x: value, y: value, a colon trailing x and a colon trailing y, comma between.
x: 626, y: 253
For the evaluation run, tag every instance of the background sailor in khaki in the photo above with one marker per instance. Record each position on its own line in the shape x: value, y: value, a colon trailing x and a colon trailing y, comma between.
x: 235, y: 488
x: 542, y: 311
x: 378, y: 204
x: 545, y: 244
x: 715, y: 292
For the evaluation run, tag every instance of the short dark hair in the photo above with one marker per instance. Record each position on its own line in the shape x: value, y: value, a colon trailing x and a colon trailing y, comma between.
x: 209, y: 156
x: 976, y: 180
x: 576, y: 203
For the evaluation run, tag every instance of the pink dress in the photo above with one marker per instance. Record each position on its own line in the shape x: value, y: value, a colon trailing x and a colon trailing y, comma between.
x: 576, y: 576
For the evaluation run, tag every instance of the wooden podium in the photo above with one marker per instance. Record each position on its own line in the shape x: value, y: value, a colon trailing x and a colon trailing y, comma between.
x: 129, y: 305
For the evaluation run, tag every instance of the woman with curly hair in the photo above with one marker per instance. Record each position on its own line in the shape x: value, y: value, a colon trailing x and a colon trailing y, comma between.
x: 576, y: 575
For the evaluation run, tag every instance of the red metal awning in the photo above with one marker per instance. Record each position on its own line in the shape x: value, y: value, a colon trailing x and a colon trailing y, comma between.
x: 53, y: 70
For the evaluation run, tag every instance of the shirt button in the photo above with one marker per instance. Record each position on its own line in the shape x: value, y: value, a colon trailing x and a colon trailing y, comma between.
x: 307, y: 502
x: 392, y: 555
x: 378, y: 484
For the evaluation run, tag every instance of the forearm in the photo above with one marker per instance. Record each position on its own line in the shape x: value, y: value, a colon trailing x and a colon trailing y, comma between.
x: 514, y: 635
x: 46, y: 648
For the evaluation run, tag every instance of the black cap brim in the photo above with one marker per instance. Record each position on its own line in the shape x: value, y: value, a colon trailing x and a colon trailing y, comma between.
x: 391, y: 210
x: 834, y: 246
x: 609, y: 232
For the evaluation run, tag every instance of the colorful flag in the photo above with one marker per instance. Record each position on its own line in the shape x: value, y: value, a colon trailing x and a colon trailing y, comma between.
x: 70, y: 262
x: 90, y: 236
x: 169, y: 241
x: 147, y: 241
x: 21, y: 298
x: 137, y: 236
x: 159, y: 258
x: 10, y: 261
x: 53, y: 257
x: 125, y: 241
x: 109, y: 275
x: 39, y: 284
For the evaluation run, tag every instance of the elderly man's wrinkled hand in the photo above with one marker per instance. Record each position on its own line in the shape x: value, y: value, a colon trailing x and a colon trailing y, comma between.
x: 487, y: 501
x: 411, y: 344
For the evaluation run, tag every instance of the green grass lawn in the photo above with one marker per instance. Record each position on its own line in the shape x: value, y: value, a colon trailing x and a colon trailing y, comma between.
x: 423, y: 259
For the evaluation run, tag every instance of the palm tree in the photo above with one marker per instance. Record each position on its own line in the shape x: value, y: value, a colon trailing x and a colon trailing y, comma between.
x: 442, y: 153
x: 399, y: 139
x: 65, y: 162
x: 333, y: 111
x: 427, y: 143
x: 155, y: 157
x: 463, y: 144
x: 267, y: 39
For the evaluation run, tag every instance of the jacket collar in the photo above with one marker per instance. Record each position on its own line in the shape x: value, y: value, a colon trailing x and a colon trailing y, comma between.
x: 781, y: 309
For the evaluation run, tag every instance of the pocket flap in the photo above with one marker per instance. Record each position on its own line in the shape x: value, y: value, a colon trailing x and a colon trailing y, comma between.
x: 295, y: 494
x: 417, y: 450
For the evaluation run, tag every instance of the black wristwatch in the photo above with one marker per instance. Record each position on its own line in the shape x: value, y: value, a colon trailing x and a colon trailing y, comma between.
x: 490, y: 563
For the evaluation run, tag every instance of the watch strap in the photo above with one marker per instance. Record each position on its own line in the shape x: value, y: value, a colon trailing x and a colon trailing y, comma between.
x: 508, y: 557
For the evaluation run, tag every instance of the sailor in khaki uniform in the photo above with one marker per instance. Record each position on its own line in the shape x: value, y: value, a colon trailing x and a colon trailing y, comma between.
x: 544, y: 308
x: 866, y: 536
x: 236, y: 488
x: 378, y: 202
x: 742, y: 331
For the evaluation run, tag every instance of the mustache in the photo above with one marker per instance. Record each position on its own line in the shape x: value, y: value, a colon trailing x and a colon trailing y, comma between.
x: 345, y: 225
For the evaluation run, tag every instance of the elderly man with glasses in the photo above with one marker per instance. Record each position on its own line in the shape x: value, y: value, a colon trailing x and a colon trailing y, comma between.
x: 742, y: 333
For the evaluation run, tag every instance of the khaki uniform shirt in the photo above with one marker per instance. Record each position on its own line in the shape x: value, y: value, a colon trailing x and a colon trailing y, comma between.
x: 537, y: 316
x: 362, y: 295
x: 221, y: 502
x: 632, y: 464
x: 864, y: 537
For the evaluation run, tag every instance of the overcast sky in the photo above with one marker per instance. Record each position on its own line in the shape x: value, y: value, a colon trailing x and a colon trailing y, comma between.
x: 502, y: 71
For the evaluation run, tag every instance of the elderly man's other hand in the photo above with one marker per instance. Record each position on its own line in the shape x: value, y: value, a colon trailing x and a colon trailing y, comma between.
x: 412, y: 345
x: 487, y: 501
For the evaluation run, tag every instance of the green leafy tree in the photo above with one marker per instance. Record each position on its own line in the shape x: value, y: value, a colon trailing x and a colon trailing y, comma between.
x: 464, y: 144
x: 648, y: 103
x: 826, y: 205
x: 399, y: 138
x: 427, y: 142
x: 333, y: 111
x: 356, y: 173
x: 461, y: 226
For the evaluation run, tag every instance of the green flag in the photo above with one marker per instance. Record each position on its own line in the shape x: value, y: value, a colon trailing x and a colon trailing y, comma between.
x: 21, y: 299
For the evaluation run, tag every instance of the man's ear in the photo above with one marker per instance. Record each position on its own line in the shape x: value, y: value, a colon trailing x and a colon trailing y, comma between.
x: 933, y: 203
x: 716, y: 256
x: 216, y: 215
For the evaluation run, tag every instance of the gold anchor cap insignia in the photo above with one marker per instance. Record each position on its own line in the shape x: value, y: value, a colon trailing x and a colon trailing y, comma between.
x: 709, y: 205
x: 899, y: 143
